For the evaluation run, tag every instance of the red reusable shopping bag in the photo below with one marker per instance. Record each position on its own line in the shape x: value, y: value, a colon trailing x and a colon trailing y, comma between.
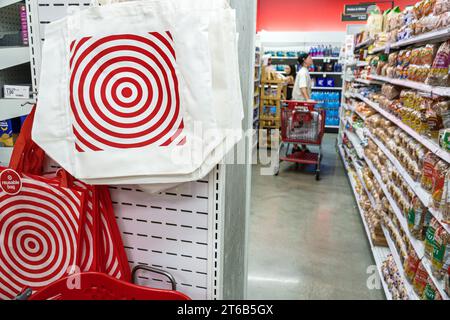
x: 101, y: 242
x: 40, y: 227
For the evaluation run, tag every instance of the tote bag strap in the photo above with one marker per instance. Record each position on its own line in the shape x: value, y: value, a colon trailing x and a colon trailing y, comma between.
x: 27, y: 156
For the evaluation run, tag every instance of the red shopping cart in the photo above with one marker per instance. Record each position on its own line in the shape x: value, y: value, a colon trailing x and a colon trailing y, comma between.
x: 100, y: 286
x: 301, y: 124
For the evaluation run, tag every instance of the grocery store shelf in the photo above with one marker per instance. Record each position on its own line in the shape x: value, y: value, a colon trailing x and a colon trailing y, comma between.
x: 440, y: 91
x: 356, y: 142
x: 366, y: 81
x: 12, y: 108
x: 424, y: 196
x: 379, y: 253
x: 426, y: 37
x: 411, y: 293
x: 284, y: 58
x: 5, y: 156
x: 325, y: 58
x: 327, y: 88
x: 362, y: 63
x: 13, y: 56
x: 325, y: 73
x: 417, y: 245
x: 428, y: 143
x: 365, y: 43
x: 331, y: 127
x: 5, y: 3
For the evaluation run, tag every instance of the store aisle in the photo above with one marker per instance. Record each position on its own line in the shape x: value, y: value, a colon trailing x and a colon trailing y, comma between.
x: 307, y: 240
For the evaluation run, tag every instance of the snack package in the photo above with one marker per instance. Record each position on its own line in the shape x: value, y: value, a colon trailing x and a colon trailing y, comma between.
x: 444, y: 139
x: 431, y: 292
x: 445, y: 200
x: 420, y: 279
x: 443, y: 108
x: 429, y: 163
x: 411, y: 264
x: 441, y: 6
x: 447, y: 281
x: 439, y: 173
x: 441, y: 253
x: 416, y: 218
x: 434, y: 120
x: 429, y: 237
x: 438, y: 75
x: 6, y: 133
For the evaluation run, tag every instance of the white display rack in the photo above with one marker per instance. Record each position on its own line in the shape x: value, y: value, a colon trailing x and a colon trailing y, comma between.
x: 327, y: 88
x: 325, y: 73
x: 362, y: 63
x: 5, y: 3
x: 428, y: 143
x: 424, y: 196
x: 440, y: 91
x: 380, y: 254
x: 325, y: 58
x: 426, y: 37
x: 12, y: 108
x: 418, y: 245
x: 13, y: 56
x: 367, y: 81
x: 398, y: 262
x: 365, y: 43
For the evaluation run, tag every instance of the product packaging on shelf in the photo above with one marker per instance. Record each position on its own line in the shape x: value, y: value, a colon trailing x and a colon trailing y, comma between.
x: 6, y: 133
x: 441, y: 253
x: 438, y: 75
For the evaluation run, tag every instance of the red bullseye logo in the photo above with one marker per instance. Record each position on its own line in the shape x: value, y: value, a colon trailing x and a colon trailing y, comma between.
x: 10, y: 182
x: 124, y: 92
x: 39, y: 234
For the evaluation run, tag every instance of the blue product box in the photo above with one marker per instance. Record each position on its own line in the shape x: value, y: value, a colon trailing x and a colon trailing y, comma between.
x: 321, y: 82
x: 330, y: 82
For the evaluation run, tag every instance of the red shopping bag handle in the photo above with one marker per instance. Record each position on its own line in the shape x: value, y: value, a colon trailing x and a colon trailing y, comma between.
x: 27, y: 156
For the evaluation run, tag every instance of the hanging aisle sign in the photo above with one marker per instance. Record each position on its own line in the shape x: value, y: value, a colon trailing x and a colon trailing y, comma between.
x: 354, y: 17
x: 357, y: 9
x: 356, y: 12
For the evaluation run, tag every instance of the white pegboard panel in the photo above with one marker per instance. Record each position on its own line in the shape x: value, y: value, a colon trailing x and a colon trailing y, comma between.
x: 177, y: 230
x: 51, y: 10
x: 167, y: 230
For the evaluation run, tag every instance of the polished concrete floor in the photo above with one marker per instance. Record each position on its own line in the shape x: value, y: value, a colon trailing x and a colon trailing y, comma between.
x: 307, y: 240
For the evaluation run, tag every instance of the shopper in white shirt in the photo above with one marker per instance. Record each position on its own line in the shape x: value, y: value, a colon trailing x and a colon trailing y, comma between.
x: 303, y: 84
x: 302, y: 88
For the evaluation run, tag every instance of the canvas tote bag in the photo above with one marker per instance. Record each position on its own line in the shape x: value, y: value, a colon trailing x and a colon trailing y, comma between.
x: 86, y: 119
x: 55, y: 34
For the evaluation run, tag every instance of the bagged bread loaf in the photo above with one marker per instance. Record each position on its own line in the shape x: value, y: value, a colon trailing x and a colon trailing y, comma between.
x: 438, y: 75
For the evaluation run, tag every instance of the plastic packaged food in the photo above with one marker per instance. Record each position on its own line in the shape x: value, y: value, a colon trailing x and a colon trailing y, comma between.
x: 434, y: 120
x: 420, y: 279
x: 447, y: 281
x: 429, y: 163
x: 438, y: 75
x: 439, y: 173
x: 416, y: 217
x: 411, y: 264
x: 429, y: 237
x: 441, y: 253
x: 444, y: 139
x: 441, y: 6
x: 431, y: 292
